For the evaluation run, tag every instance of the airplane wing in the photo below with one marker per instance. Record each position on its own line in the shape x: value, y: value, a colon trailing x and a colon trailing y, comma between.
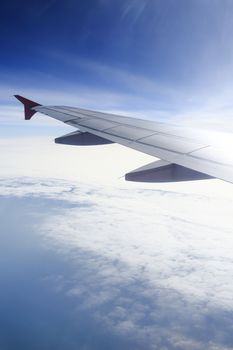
x: 185, y: 154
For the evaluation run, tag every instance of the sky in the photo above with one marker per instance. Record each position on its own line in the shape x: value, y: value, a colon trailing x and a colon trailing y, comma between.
x: 88, y: 260
x: 162, y: 59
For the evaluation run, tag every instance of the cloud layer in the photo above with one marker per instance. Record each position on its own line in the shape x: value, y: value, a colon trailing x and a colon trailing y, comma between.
x: 152, y: 267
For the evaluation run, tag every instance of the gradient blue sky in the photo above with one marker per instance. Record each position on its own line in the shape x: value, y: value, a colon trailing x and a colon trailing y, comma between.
x: 169, y: 57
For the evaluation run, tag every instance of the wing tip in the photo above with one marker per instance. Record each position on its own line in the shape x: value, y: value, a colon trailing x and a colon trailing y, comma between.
x: 28, y: 105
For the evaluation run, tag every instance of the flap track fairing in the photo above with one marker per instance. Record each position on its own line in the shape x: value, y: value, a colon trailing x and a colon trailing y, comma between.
x: 79, y: 138
x: 162, y: 171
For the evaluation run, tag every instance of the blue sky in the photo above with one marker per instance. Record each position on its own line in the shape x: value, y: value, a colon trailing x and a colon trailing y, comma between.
x: 163, y: 57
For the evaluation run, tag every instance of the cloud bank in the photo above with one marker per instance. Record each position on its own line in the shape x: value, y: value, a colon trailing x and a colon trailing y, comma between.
x: 152, y: 267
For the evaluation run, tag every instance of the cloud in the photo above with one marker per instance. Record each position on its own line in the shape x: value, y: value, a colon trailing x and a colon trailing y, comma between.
x: 133, y: 10
x: 151, y: 267
x: 203, y: 105
x: 170, y: 221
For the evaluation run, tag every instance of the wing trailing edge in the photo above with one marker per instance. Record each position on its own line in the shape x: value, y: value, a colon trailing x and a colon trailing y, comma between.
x: 187, y: 153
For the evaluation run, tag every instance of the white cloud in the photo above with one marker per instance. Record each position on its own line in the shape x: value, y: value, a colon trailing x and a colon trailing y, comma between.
x: 178, y: 233
x: 133, y: 10
x: 151, y: 264
x: 161, y: 227
x: 146, y: 254
x: 201, y: 105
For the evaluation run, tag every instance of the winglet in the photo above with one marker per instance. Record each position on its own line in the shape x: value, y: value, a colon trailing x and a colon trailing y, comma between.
x: 28, y: 105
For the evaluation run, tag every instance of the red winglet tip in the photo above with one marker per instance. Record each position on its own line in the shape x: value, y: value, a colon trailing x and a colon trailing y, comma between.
x: 28, y: 105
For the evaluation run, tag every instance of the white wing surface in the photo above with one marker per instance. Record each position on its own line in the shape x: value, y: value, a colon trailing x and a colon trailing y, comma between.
x: 186, y: 154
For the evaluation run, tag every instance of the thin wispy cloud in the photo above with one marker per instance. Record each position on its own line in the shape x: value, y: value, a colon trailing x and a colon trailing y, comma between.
x: 133, y: 10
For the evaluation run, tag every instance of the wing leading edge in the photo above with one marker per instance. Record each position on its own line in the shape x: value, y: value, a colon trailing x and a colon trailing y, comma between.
x: 185, y: 154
